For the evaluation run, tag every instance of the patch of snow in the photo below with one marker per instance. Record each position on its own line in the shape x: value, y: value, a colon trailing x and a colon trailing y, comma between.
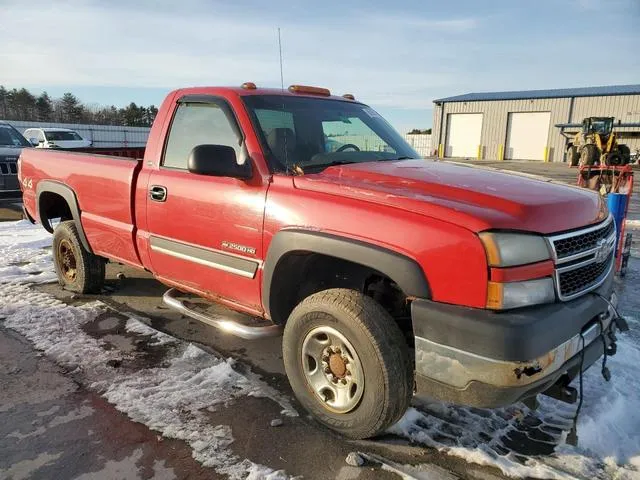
x: 172, y: 399
x: 26, y: 253
x: 136, y: 325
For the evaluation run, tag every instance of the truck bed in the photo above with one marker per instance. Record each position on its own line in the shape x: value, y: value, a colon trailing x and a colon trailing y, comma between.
x: 103, y: 187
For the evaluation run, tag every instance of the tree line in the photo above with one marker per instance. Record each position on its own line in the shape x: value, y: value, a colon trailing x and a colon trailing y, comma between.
x: 21, y: 104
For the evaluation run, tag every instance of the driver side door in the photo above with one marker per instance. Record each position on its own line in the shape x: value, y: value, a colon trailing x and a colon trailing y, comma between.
x: 205, y: 231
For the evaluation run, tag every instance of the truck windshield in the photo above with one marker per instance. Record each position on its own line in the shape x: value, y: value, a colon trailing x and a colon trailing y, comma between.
x: 10, y: 137
x: 603, y: 126
x: 314, y: 133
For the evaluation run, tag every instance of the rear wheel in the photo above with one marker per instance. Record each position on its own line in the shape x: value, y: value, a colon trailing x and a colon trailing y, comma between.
x: 589, y: 155
x: 77, y: 269
x: 625, y: 153
x: 347, y: 362
x: 614, y: 159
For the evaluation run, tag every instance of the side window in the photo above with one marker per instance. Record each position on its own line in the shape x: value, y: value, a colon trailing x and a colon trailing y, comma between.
x: 39, y: 135
x: 197, y: 124
x: 271, y: 119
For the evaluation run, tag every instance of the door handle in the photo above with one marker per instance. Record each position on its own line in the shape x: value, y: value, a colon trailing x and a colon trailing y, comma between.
x: 158, y: 193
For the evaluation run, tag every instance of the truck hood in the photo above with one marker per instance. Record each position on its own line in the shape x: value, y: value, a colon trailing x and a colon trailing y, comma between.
x: 475, y: 198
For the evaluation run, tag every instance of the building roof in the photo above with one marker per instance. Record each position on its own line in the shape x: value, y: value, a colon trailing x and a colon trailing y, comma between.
x: 553, y: 93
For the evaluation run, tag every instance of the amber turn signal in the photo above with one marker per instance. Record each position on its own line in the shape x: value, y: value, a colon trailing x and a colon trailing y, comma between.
x: 308, y: 89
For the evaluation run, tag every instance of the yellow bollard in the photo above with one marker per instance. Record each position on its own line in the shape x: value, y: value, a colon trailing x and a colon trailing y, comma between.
x: 500, y: 152
x: 479, y: 152
x: 440, y: 155
x: 546, y: 154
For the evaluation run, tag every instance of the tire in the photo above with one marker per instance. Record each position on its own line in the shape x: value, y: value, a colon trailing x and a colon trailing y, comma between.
x: 625, y: 153
x: 76, y: 268
x: 589, y: 155
x: 347, y: 324
x: 614, y: 159
x: 572, y: 156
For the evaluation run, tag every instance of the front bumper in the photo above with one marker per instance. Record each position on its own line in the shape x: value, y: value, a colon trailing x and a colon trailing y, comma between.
x: 485, y: 359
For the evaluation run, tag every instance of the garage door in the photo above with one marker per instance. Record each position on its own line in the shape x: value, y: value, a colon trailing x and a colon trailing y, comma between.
x: 527, y: 135
x: 463, y: 134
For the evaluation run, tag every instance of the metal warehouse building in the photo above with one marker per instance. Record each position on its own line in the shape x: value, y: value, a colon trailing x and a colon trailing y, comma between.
x: 527, y: 125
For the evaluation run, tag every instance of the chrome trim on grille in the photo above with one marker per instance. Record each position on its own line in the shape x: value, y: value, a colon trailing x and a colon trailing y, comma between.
x: 609, y: 242
x: 576, y: 233
x: 588, y: 289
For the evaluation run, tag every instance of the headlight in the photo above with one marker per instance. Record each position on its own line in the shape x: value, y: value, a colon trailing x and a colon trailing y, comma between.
x: 503, y: 296
x: 513, y: 249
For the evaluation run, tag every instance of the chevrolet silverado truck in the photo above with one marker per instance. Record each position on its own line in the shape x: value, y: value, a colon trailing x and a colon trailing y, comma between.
x: 307, y: 216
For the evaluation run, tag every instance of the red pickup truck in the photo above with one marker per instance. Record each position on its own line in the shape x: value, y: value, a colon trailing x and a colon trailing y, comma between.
x: 389, y: 275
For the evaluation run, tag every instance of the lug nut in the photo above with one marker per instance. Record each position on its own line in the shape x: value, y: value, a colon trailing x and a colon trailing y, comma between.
x: 334, y: 379
x: 343, y: 381
x: 327, y: 370
x: 338, y: 350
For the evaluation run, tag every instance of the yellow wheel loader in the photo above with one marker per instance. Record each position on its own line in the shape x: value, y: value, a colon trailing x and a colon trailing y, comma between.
x: 596, y: 144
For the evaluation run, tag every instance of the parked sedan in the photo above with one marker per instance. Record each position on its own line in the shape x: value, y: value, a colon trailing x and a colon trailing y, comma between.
x: 55, y: 138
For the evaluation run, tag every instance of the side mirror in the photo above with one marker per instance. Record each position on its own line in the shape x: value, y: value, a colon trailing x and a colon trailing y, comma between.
x: 217, y: 161
x: 33, y: 141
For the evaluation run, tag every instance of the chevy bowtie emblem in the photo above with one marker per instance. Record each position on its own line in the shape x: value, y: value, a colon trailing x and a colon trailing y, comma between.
x: 603, y: 248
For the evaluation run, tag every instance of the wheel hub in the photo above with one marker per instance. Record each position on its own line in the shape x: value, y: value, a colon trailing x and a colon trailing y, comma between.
x: 337, y: 365
x: 332, y: 369
x: 67, y: 260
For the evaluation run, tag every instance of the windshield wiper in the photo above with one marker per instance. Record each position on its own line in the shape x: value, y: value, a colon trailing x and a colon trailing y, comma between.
x: 322, y: 166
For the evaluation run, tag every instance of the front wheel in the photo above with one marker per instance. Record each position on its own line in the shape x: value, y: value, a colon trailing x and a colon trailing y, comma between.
x: 347, y: 362
x: 589, y: 155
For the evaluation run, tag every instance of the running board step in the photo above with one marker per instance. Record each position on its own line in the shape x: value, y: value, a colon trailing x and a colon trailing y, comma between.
x: 230, y: 326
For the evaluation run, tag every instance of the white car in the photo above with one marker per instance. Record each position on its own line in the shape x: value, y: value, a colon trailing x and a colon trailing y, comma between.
x: 55, y: 138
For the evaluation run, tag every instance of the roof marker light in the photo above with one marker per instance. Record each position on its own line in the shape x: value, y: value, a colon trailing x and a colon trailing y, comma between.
x: 249, y: 86
x: 348, y: 96
x: 311, y: 90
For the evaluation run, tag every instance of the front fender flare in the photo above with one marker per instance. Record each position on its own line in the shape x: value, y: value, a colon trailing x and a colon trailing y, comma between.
x: 404, y: 271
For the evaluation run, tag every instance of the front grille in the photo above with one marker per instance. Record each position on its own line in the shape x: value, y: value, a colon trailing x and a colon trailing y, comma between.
x: 8, y: 168
x: 573, y: 245
x: 582, y: 278
x: 583, y: 258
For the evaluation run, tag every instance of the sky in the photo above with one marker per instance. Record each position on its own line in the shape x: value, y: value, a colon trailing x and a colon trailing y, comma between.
x: 395, y: 56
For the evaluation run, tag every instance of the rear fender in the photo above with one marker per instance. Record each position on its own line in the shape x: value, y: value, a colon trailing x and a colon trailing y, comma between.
x: 50, y: 186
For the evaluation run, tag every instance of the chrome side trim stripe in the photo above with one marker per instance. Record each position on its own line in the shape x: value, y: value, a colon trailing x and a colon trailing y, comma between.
x: 202, y: 256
